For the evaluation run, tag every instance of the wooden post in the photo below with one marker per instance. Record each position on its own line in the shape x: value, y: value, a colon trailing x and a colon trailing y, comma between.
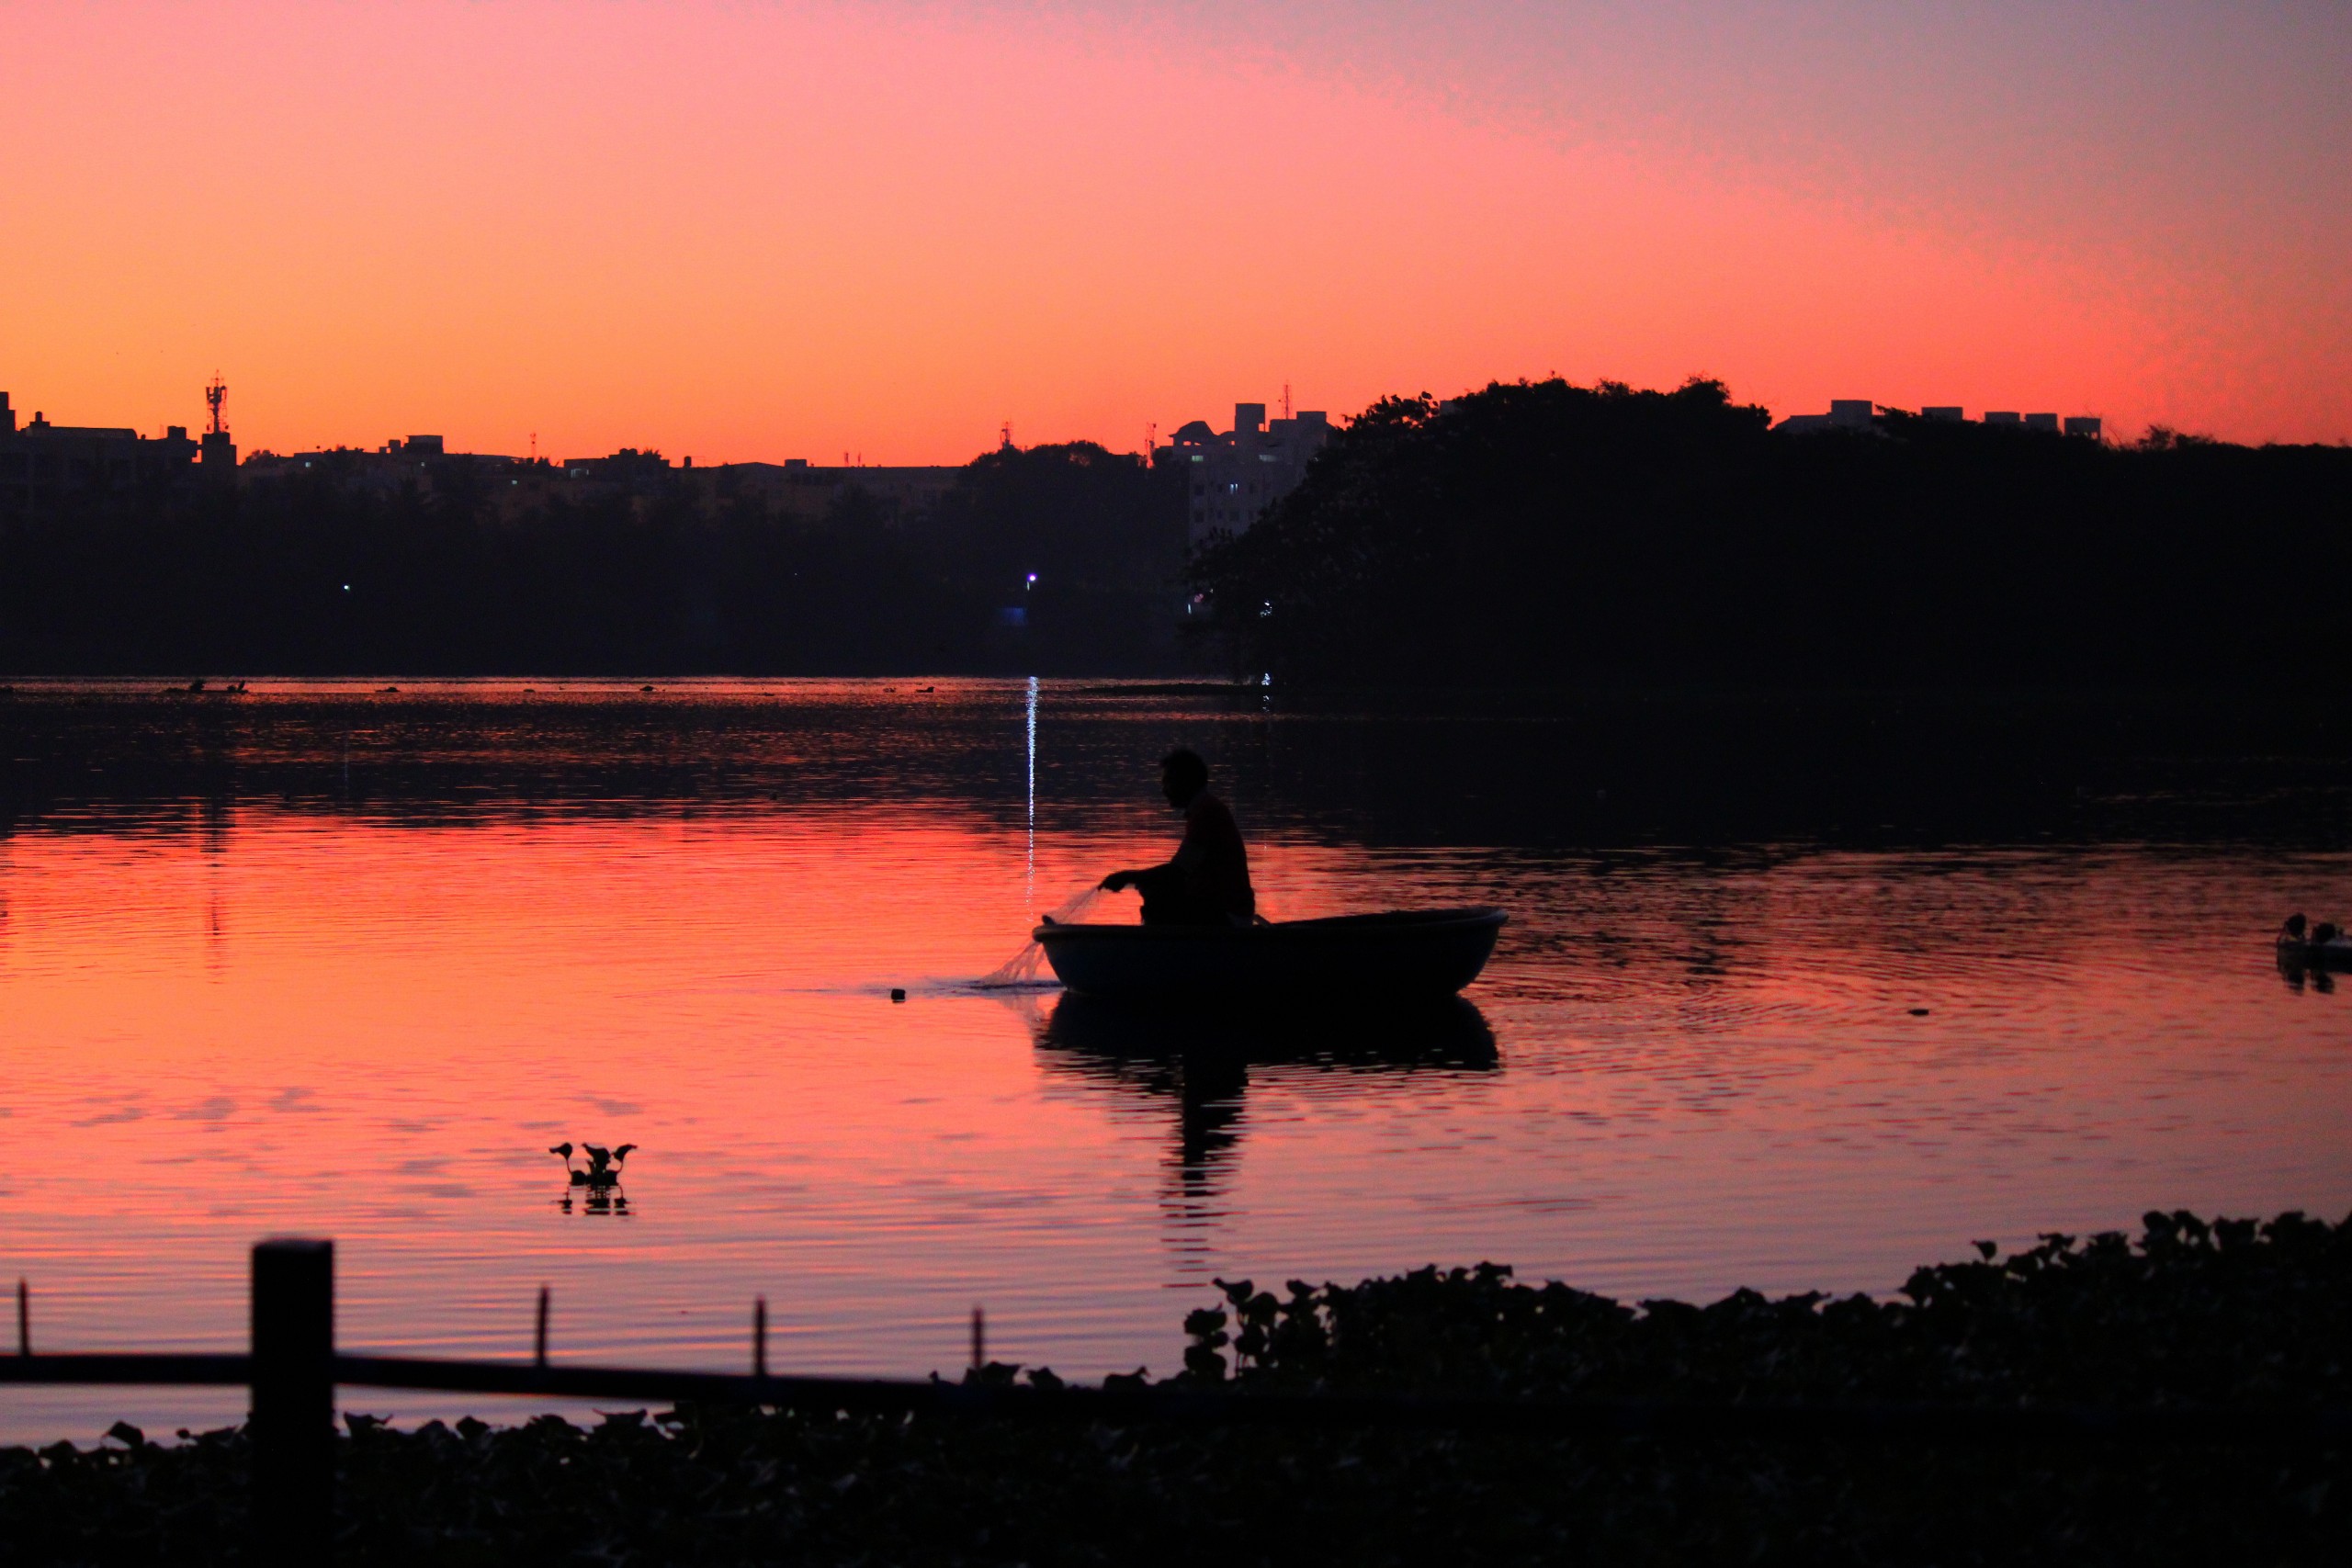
x: 292, y: 1427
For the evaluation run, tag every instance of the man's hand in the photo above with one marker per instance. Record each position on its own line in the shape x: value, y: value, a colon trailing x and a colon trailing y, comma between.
x: 1117, y: 881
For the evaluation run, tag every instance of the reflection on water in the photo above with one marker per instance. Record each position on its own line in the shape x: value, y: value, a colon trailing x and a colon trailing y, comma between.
x: 2297, y: 972
x: 610, y: 1201
x: 1197, y: 1062
x: 349, y: 964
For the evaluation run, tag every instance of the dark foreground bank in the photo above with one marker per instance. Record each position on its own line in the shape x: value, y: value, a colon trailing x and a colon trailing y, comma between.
x: 2246, y: 1315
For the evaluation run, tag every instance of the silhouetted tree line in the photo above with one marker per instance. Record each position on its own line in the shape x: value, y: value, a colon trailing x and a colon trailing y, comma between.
x: 1549, y: 533
x: 665, y: 570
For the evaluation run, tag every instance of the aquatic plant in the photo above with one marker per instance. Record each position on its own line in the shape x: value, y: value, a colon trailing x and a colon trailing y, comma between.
x: 2235, y: 1311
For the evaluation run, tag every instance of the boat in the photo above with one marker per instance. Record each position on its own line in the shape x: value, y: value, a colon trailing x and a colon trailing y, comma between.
x: 1398, y: 952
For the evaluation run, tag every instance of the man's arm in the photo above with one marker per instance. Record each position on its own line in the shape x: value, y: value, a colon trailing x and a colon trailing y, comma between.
x: 1119, y: 881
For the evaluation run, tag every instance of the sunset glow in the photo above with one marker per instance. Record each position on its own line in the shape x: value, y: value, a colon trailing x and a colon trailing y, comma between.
x: 997, y: 780
x: 753, y: 232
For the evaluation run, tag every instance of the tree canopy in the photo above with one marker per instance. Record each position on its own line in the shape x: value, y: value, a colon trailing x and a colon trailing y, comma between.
x: 647, y: 569
x: 1539, y: 533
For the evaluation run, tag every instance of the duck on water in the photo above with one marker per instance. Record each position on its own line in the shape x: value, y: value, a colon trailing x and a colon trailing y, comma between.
x: 2321, y: 946
x: 604, y: 1165
x: 1202, y: 934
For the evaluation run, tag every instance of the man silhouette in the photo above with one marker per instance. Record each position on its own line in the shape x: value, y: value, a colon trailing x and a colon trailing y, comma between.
x: 1207, y: 881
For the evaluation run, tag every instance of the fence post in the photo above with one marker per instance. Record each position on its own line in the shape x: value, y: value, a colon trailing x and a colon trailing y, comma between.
x: 292, y: 1428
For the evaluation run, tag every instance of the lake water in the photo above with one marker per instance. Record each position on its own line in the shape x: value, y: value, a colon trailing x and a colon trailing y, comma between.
x: 1773, y: 1009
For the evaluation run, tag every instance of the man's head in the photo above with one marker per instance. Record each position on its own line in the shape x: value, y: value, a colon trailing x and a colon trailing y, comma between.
x: 1183, y: 775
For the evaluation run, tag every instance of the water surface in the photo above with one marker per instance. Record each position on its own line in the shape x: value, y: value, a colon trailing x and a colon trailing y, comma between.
x: 329, y: 961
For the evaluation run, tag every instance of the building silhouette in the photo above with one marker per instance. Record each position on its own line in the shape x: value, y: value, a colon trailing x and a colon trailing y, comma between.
x: 45, y: 467
x: 1231, y: 478
x: 422, y: 463
x: 1860, y: 414
x: 1845, y: 413
x: 425, y: 465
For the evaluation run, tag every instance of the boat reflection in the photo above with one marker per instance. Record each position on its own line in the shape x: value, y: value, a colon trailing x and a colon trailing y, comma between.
x: 1200, y: 1061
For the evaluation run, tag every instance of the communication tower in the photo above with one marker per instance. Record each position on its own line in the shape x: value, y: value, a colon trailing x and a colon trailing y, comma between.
x: 216, y: 452
x: 1004, y: 436
x: 1285, y: 400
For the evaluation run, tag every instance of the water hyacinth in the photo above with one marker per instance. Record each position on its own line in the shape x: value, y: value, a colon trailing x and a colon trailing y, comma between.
x: 2233, y: 1313
x: 2237, y: 1312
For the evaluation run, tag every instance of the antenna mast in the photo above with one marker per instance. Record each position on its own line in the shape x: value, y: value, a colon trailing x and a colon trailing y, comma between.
x: 215, y: 397
x: 1285, y: 400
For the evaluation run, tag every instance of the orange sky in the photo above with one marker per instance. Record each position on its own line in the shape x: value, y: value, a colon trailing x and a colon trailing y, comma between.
x: 885, y: 227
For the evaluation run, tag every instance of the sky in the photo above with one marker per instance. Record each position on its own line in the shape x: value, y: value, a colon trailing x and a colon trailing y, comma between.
x: 885, y: 229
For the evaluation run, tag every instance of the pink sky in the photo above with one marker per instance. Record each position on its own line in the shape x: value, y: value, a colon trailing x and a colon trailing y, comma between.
x: 750, y: 231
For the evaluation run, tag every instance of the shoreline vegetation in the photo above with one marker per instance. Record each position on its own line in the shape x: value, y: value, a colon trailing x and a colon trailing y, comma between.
x: 2236, y: 1313
x: 1527, y: 535
x: 660, y: 571
x: 1545, y: 531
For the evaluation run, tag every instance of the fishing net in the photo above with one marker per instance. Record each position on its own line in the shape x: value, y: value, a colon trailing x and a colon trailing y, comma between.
x: 1022, y: 968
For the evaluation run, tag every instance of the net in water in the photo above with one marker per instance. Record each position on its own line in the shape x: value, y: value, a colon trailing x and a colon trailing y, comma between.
x: 1022, y: 968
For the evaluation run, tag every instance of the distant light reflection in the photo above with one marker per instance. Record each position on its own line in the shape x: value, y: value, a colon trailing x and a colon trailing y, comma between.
x: 1031, y: 886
